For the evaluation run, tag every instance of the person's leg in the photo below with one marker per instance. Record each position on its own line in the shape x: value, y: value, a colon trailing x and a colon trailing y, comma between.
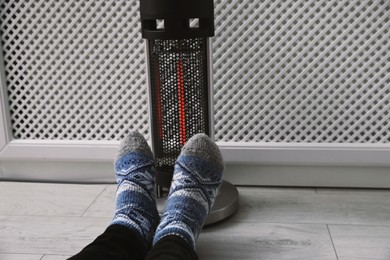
x: 116, y: 243
x: 196, y: 180
x: 130, y: 234
x: 172, y: 247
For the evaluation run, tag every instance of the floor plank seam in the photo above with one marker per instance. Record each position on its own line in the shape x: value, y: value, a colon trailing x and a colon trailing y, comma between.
x: 310, y: 223
x: 54, y: 216
x: 102, y: 191
x: 359, y: 225
x: 331, y: 239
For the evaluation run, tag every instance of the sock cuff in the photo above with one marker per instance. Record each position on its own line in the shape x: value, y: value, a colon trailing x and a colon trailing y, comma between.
x: 185, y: 233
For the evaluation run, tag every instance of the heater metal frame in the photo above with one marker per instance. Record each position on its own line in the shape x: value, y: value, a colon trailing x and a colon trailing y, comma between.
x: 177, y: 14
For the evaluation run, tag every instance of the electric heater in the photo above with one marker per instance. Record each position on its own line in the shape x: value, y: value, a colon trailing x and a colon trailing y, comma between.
x: 179, y: 65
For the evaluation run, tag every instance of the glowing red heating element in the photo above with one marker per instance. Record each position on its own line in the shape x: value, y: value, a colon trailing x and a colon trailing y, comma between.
x: 159, y: 106
x: 181, y: 103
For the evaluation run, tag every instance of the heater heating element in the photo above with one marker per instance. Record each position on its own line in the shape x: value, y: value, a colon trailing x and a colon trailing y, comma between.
x: 180, y: 99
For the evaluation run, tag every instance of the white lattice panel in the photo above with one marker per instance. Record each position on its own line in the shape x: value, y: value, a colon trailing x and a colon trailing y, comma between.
x: 303, y: 71
x: 284, y: 71
x: 74, y: 69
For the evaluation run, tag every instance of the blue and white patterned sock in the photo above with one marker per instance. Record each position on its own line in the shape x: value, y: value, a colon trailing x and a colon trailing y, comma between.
x: 135, y: 198
x: 195, y: 184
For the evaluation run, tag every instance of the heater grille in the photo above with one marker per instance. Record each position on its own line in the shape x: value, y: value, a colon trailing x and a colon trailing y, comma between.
x: 179, y: 87
x: 284, y: 71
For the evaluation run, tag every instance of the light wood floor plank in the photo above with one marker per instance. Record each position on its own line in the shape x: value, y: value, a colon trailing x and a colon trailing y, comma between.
x: 266, y: 241
x: 361, y: 242
x: 257, y: 205
x: 104, y: 205
x: 55, y: 257
x: 355, y: 192
x: 20, y: 257
x: 48, y: 235
x: 44, y: 199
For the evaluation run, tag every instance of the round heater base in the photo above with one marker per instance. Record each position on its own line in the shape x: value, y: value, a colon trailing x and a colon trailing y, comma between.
x: 225, y: 205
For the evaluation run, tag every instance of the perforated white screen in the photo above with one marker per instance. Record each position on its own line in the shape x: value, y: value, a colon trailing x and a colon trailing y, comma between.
x: 284, y: 71
x: 74, y: 69
x: 303, y: 71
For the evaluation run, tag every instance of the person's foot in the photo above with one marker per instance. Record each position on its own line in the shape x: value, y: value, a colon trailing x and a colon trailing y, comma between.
x: 135, y: 199
x: 194, y: 188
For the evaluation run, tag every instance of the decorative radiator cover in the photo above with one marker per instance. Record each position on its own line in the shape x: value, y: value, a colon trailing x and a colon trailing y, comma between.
x: 296, y: 82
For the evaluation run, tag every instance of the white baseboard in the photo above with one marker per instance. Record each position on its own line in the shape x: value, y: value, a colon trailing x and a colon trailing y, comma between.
x: 317, y: 165
x: 237, y: 174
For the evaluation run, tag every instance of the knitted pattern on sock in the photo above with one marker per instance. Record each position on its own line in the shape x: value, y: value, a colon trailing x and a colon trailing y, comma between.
x: 135, y: 197
x: 194, y: 188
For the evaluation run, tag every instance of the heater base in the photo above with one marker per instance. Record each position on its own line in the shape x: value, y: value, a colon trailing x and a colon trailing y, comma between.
x: 225, y: 205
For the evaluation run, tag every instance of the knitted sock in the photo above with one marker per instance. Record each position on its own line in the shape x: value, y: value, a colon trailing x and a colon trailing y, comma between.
x: 196, y: 180
x: 135, y: 199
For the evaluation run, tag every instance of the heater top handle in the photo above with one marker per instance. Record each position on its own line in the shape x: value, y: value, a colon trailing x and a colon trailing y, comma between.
x: 171, y: 19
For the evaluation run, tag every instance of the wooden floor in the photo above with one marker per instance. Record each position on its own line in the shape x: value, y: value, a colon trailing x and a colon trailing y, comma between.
x: 53, y: 221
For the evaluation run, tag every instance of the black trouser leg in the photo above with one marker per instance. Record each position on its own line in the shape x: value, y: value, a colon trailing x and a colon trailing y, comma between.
x: 119, y: 243
x: 116, y: 243
x: 172, y: 248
